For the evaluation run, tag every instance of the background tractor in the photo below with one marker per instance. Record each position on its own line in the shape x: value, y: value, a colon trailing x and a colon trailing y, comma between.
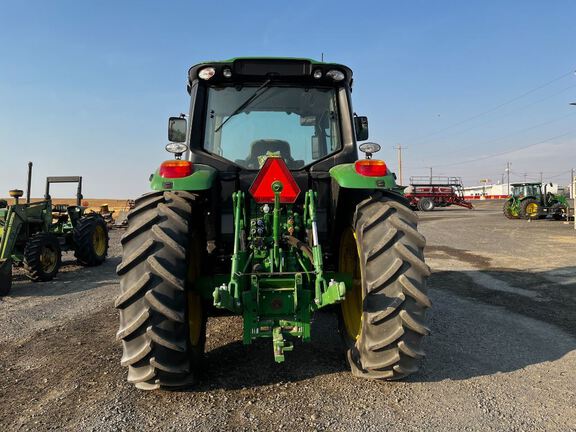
x: 34, y: 234
x: 532, y: 201
x: 267, y: 212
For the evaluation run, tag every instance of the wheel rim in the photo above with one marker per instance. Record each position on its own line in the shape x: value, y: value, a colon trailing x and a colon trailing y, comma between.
x: 349, y: 262
x: 532, y: 209
x: 48, y: 259
x: 194, y: 317
x: 99, y: 240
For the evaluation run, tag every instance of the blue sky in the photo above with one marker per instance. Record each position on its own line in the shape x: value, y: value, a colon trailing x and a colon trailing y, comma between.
x: 86, y: 87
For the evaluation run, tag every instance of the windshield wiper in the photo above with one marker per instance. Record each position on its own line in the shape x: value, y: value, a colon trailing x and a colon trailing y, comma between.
x: 259, y: 91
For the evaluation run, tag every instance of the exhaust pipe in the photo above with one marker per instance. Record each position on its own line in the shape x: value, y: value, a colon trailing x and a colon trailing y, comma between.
x: 29, y: 183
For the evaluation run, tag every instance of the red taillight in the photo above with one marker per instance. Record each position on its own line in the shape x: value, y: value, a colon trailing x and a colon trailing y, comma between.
x: 274, y: 169
x: 371, y: 167
x: 175, y: 168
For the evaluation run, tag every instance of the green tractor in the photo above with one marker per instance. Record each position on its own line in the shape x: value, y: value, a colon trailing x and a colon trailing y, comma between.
x: 267, y: 212
x: 33, y: 235
x: 533, y: 201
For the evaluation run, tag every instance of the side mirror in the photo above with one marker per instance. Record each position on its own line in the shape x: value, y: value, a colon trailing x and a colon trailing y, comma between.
x: 361, y: 126
x: 177, y: 127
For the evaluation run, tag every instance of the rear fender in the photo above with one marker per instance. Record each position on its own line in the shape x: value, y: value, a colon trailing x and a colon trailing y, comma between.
x: 347, y: 194
x: 346, y: 177
x: 202, y: 178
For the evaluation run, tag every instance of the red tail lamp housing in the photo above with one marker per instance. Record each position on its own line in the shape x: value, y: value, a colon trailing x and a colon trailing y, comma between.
x: 175, y: 168
x: 274, y: 169
x: 371, y: 167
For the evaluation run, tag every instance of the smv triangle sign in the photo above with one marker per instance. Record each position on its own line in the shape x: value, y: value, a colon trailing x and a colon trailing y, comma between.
x: 274, y: 169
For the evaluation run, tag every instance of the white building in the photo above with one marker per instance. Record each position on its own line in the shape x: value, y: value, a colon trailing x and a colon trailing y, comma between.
x: 500, y: 191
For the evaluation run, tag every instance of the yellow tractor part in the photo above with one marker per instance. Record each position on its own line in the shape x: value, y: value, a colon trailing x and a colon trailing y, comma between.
x: 99, y: 240
x: 48, y: 259
x: 350, y: 263
x: 532, y: 209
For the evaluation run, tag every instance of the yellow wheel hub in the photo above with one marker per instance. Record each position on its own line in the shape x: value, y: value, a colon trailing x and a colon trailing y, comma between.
x: 532, y: 209
x: 194, y: 317
x: 349, y: 262
x: 99, y: 240
x: 48, y: 259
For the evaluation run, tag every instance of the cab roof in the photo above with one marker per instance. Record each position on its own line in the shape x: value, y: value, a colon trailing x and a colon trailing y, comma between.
x: 281, y: 69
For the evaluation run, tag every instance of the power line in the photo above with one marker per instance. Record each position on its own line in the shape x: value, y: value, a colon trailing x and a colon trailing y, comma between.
x: 523, y: 107
x: 505, y: 152
x: 491, y: 110
x: 503, y: 137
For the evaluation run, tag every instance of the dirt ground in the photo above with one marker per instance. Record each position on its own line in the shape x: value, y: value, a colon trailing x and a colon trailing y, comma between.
x: 502, y: 354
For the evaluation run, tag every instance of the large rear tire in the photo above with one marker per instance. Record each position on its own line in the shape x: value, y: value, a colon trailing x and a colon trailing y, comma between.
x: 91, y: 240
x: 162, y: 321
x: 42, y: 257
x: 383, y: 319
x: 530, y: 209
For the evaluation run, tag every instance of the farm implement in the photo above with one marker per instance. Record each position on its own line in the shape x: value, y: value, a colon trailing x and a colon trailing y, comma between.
x: 426, y: 193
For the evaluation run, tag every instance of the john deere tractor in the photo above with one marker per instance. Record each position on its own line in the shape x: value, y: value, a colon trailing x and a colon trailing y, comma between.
x: 33, y: 235
x: 533, y: 201
x: 267, y: 212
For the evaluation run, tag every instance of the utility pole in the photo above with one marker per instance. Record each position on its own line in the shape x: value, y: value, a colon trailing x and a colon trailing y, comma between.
x: 508, y: 175
x: 430, y: 175
x: 525, y: 175
x: 541, y: 176
x: 572, y: 191
x: 400, y: 148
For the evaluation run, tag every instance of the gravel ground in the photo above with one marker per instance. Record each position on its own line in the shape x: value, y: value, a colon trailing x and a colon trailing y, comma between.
x: 501, y: 356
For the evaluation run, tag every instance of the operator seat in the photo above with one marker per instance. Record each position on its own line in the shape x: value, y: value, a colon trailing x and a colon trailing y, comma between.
x: 261, y: 147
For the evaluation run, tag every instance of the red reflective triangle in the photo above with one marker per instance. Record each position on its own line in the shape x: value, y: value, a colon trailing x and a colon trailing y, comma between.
x: 274, y: 169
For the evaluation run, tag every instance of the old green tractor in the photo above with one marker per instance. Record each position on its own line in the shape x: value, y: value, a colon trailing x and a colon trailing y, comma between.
x: 268, y: 213
x: 34, y: 234
x: 533, y: 201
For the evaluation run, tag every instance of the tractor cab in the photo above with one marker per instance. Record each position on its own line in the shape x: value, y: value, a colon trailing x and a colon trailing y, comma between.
x: 523, y: 190
x: 245, y: 109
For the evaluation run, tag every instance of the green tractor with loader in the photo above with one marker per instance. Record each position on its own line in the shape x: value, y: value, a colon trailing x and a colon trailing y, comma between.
x: 33, y: 235
x: 534, y: 201
x: 267, y: 212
